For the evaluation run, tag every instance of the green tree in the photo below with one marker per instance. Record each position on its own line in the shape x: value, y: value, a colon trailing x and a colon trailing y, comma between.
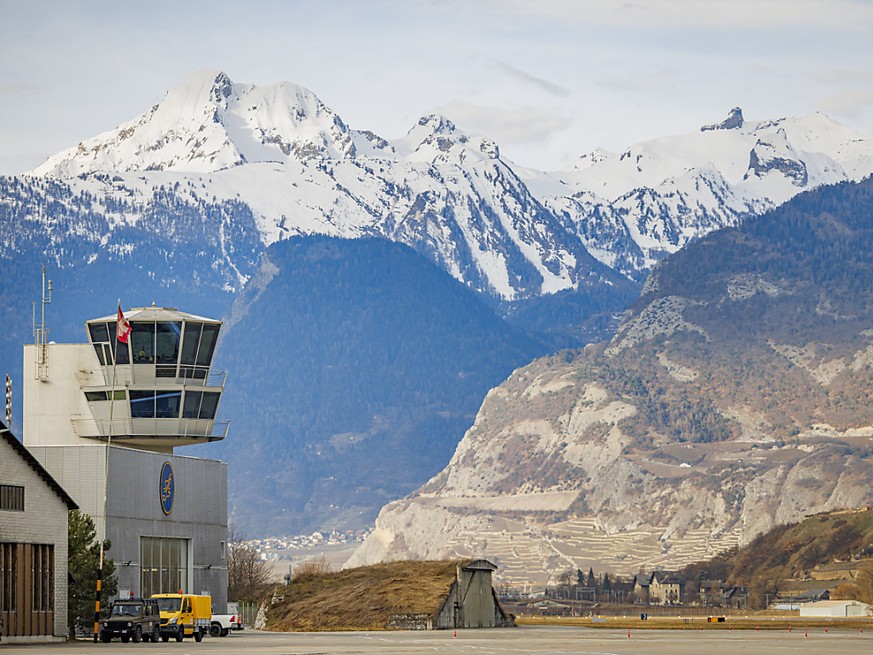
x: 591, y: 581
x: 606, y: 588
x: 84, y: 559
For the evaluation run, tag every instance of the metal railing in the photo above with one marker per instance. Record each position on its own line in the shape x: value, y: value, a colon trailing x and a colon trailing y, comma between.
x: 151, y: 428
x: 126, y: 375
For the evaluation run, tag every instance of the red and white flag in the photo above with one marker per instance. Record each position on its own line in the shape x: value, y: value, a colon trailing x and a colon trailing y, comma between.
x: 122, y: 327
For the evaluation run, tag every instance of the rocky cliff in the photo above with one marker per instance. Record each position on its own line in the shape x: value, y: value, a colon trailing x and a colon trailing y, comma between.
x: 734, y: 397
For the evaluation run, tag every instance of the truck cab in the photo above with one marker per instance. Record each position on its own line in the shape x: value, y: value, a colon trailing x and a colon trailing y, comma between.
x: 184, y: 615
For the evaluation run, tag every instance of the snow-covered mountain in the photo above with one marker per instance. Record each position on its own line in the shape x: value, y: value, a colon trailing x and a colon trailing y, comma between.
x: 303, y: 171
x: 630, y: 209
x: 509, y: 232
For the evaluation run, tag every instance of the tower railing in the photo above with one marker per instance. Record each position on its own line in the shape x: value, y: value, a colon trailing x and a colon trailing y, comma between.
x: 152, y: 428
x: 125, y: 376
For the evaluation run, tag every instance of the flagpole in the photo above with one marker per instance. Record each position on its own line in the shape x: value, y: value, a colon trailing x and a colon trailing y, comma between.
x: 106, y: 473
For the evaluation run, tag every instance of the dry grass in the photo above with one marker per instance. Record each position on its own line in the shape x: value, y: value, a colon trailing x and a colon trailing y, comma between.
x: 312, y: 568
x: 362, y: 598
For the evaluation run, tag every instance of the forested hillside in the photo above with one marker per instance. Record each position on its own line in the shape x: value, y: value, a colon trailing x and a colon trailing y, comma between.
x: 353, y: 367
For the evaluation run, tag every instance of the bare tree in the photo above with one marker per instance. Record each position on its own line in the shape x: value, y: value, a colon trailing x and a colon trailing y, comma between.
x: 247, y: 574
x: 565, y: 580
x: 865, y: 583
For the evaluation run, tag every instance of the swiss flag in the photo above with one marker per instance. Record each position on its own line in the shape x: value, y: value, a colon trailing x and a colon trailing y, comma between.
x: 122, y: 327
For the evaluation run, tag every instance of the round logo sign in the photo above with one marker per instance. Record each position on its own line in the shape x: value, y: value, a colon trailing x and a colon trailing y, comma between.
x: 167, y: 488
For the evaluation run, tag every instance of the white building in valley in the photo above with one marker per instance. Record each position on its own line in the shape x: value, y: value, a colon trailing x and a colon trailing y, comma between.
x: 836, y: 608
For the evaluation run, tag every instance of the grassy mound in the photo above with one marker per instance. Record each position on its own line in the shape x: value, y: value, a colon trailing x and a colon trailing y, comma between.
x: 362, y: 598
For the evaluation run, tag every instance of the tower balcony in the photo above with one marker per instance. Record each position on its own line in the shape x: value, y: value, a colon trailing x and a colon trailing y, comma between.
x: 151, y: 432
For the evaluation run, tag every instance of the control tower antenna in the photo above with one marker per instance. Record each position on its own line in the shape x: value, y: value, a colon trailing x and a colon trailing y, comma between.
x: 40, y: 331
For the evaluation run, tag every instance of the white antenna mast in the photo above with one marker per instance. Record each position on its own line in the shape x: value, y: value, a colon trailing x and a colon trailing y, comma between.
x: 40, y: 332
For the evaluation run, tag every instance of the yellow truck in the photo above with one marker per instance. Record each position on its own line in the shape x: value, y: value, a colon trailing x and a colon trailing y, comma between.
x: 184, y: 615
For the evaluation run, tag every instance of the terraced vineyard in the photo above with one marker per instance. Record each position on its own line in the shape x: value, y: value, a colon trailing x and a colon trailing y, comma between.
x: 519, y: 548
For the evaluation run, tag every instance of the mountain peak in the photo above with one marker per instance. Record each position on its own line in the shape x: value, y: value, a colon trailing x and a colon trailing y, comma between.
x: 733, y: 121
x: 217, y: 81
x: 437, y: 124
x: 208, y: 123
x: 435, y: 137
x: 196, y: 97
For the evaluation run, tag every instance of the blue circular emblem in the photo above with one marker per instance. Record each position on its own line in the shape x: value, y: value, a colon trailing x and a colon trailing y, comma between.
x: 167, y: 488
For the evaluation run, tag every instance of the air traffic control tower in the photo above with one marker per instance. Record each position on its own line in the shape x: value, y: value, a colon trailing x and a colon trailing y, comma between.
x: 105, y: 417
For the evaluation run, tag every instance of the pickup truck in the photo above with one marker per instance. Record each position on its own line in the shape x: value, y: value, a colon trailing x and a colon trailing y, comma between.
x: 222, y: 624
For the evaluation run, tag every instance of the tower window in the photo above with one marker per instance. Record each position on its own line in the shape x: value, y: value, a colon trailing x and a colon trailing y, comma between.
x: 142, y: 404
x: 152, y: 404
x: 143, y: 343
x: 200, y: 404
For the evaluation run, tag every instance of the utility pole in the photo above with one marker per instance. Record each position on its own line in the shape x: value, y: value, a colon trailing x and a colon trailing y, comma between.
x: 8, y: 401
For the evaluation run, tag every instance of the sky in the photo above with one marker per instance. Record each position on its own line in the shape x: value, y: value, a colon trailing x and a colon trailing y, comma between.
x: 548, y: 80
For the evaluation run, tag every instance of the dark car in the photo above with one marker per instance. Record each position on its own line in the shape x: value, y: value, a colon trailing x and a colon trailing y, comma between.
x: 133, y: 618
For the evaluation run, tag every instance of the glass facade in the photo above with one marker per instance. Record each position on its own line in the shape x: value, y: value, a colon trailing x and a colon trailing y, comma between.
x: 167, y: 404
x: 174, y: 348
x: 163, y: 565
x: 106, y: 345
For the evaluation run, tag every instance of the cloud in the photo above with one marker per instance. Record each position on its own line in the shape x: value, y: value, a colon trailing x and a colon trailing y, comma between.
x: 844, y: 15
x: 505, y: 124
x: 538, y: 82
x: 852, y: 104
x: 20, y: 89
x: 662, y: 80
x: 839, y: 76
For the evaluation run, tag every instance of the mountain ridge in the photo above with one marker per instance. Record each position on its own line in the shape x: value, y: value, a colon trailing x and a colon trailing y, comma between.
x: 507, y: 231
x: 731, y: 399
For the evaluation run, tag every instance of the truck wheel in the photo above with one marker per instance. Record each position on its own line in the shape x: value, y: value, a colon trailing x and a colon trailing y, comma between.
x: 214, y: 630
x: 156, y: 635
x: 198, y: 636
x: 180, y: 635
x: 137, y: 634
x: 165, y: 638
x: 105, y: 638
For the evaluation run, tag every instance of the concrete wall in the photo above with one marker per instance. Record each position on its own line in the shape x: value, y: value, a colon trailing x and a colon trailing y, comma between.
x: 43, y: 521
x: 134, y: 510
x: 51, y: 405
x: 409, y: 622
